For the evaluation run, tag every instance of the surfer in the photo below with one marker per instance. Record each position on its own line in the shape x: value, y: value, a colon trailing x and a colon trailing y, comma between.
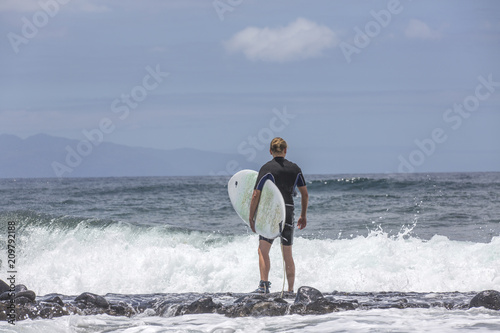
x: 287, y: 176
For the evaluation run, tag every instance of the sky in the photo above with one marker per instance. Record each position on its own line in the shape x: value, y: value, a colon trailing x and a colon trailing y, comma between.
x: 353, y: 86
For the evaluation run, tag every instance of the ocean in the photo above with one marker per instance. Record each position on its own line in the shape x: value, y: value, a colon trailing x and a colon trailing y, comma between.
x: 373, y: 238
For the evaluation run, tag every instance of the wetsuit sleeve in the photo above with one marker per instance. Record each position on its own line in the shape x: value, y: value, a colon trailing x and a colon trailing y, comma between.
x: 300, y: 181
x: 261, y: 179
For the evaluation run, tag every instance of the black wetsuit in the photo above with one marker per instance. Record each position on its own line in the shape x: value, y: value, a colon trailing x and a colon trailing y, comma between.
x: 286, y: 175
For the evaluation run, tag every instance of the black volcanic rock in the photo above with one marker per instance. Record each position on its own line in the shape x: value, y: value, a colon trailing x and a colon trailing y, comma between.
x: 308, y: 301
x: 202, y: 305
x: 307, y: 295
x: 489, y: 299
x: 90, y: 299
x: 3, y: 287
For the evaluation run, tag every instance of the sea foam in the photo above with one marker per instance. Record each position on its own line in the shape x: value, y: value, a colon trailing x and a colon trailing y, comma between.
x: 129, y: 259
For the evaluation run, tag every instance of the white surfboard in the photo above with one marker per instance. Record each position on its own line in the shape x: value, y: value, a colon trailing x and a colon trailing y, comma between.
x: 270, y: 216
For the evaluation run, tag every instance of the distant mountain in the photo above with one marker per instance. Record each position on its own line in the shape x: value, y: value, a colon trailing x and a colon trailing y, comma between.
x: 47, y: 156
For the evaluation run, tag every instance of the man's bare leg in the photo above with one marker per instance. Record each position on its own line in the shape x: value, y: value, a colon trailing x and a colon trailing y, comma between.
x: 290, y: 266
x: 264, y: 261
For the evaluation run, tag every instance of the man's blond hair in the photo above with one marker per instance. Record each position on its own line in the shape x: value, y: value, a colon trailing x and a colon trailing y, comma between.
x: 278, y: 145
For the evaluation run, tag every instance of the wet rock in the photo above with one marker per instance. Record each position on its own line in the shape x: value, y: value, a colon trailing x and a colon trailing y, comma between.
x: 23, y: 300
x: 54, y: 299
x: 489, y: 299
x: 20, y: 288
x: 268, y: 308
x: 280, y: 300
x: 202, y: 305
x: 28, y: 294
x: 51, y: 310
x: 19, y: 295
x: 256, y: 306
x: 71, y: 308
x: 6, y: 295
x: 310, y: 300
x: 307, y: 301
x: 27, y: 311
x: 3, y: 287
x: 4, y: 311
x: 89, y: 299
x: 164, y: 309
x: 307, y: 295
x: 319, y: 306
x: 121, y: 309
x: 242, y: 307
x: 170, y: 308
x: 249, y: 298
x: 346, y: 305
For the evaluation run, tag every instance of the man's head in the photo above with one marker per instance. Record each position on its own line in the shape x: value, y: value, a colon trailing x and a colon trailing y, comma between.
x: 278, y: 147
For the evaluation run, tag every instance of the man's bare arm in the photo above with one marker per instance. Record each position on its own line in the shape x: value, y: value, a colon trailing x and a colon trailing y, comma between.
x: 253, y: 208
x: 304, y: 200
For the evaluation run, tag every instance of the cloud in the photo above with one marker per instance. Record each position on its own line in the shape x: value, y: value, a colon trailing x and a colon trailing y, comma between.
x: 300, y: 39
x: 420, y: 30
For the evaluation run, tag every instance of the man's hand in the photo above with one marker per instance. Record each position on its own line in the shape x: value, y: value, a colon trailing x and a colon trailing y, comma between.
x: 304, y: 200
x: 252, y: 225
x: 302, y: 222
